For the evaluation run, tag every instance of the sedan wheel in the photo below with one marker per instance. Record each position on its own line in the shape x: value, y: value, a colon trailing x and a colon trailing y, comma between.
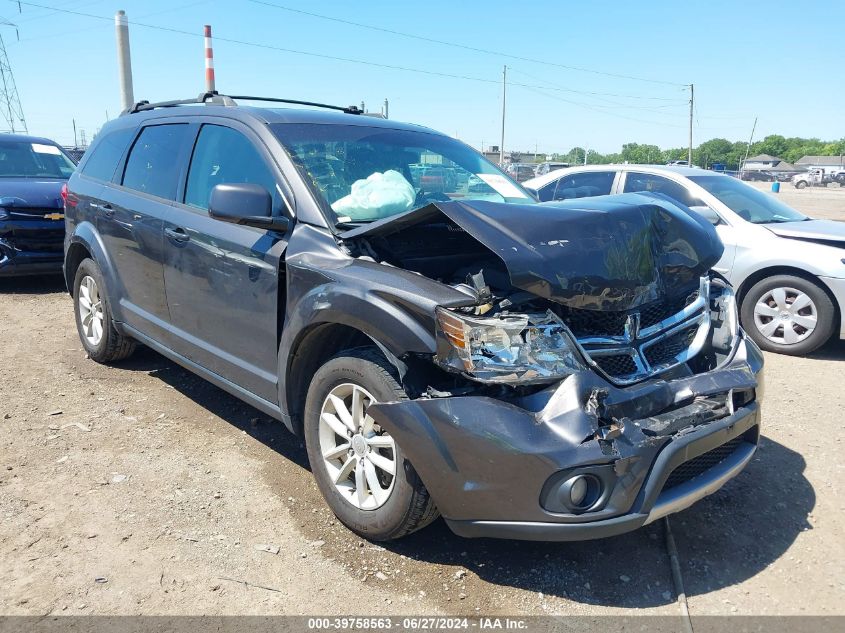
x: 90, y: 310
x: 359, y: 457
x: 785, y: 316
x: 788, y: 314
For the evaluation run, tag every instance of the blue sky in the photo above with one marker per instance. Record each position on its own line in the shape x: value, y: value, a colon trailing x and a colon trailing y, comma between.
x: 779, y: 61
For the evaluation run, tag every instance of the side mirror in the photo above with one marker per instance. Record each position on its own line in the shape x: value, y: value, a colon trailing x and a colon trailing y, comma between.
x: 246, y: 204
x: 708, y: 214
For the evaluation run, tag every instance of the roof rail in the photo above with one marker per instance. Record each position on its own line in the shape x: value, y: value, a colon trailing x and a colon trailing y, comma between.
x: 229, y: 100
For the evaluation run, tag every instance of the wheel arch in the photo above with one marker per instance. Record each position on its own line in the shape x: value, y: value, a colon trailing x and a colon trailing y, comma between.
x: 315, y: 345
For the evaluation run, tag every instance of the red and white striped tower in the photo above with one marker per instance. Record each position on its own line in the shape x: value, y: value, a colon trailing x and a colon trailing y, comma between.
x: 209, y: 61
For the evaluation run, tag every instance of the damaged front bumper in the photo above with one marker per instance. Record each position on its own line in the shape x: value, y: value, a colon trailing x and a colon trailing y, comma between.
x: 499, y: 468
x: 30, y: 247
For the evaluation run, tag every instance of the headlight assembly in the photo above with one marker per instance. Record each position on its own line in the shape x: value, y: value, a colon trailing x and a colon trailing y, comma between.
x: 511, y: 349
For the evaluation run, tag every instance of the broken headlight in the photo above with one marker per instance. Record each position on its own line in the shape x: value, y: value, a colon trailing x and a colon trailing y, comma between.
x: 723, y: 317
x: 510, y: 348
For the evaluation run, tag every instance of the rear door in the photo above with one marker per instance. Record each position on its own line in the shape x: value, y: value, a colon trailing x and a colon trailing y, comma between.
x: 225, y: 295
x: 130, y: 219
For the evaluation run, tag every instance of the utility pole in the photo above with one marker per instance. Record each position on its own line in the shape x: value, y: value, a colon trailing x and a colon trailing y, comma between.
x: 748, y: 147
x: 75, y: 142
x: 504, y: 95
x: 124, y: 59
x: 10, y: 102
x: 691, y: 106
x: 385, y: 109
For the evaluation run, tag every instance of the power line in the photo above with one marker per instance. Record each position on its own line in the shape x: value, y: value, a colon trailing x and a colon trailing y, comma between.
x: 465, y: 47
x: 553, y: 86
x: 289, y: 50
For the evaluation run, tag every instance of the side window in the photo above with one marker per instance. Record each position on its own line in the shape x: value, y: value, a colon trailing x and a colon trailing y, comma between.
x: 635, y: 182
x: 152, y: 166
x: 224, y: 155
x: 585, y: 184
x: 544, y: 194
x: 103, y: 158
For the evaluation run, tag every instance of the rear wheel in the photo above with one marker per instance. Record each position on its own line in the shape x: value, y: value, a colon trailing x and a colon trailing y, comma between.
x: 92, y: 309
x: 360, y: 469
x: 788, y: 315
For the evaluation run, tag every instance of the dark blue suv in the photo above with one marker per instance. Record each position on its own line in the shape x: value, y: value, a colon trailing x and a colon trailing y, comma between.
x: 33, y: 171
x: 443, y: 345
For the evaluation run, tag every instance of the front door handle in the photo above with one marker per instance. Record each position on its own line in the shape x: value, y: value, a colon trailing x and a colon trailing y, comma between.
x: 177, y: 235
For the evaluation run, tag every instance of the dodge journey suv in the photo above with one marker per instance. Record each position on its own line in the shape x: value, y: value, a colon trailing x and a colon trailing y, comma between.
x: 524, y: 370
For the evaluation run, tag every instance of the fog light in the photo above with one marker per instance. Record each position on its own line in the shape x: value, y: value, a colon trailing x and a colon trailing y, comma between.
x: 580, y: 492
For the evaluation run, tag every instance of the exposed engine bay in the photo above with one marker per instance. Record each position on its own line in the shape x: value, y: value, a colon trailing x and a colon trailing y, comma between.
x: 624, y: 285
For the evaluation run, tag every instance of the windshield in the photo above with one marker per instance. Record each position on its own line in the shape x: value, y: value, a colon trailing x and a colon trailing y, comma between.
x: 25, y: 159
x: 747, y: 202
x: 367, y: 173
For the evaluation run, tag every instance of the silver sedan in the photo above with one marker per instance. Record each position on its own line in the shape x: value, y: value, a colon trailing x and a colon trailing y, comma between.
x: 788, y: 269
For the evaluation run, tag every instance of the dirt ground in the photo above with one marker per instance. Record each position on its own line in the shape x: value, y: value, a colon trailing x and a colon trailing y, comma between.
x: 141, y: 489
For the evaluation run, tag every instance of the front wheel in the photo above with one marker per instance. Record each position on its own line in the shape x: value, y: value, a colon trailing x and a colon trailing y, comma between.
x: 800, y: 184
x: 360, y: 469
x: 788, y: 315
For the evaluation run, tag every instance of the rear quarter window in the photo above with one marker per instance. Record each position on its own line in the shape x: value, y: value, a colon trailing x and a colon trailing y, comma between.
x: 104, y: 156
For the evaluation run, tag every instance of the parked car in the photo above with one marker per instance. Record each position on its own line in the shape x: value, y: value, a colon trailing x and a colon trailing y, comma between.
x: 549, y: 166
x: 787, y: 268
x: 760, y: 175
x: 32, y: 229
x: 520, y: 171
x: 485, y: 358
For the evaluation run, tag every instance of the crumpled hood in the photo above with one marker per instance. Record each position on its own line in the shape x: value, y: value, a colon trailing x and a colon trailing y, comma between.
x: 812, y: 230
x: 609, y: 253
x: 31, y: 192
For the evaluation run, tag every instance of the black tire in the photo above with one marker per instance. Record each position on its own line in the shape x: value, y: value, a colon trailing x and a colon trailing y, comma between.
x: 825, y: 314
x: 112, y: 345
x: 409, y: 506
x: 800, y: 184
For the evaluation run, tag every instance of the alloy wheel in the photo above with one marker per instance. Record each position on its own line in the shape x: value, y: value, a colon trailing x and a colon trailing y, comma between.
x: 90, y: 310
x: 785, y: 315
x: 359, y: 456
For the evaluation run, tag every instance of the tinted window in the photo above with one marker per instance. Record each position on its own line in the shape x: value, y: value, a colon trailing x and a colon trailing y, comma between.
x: 584, y: 185
x: 224, y: 155
x: 153, y: 163
x: 635, y: 182
x: 106, y: 153
x: 28, y: 159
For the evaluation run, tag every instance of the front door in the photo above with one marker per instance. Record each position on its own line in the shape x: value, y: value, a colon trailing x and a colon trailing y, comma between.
x: 223, y: 282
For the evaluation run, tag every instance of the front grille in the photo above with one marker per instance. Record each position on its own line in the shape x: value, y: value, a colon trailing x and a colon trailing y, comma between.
x: 666, y: 351
x: 701, y: 464
x: 617, y: 365
x: 612, y: 323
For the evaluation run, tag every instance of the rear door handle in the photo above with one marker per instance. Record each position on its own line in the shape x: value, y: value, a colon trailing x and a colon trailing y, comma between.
x: 177, y: 235
x: 107, y: 209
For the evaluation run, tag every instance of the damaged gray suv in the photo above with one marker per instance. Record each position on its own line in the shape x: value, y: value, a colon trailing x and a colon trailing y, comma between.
x: 445, y: 345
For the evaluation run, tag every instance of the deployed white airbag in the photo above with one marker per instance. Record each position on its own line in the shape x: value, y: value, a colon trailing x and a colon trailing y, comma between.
x: 378, y: 196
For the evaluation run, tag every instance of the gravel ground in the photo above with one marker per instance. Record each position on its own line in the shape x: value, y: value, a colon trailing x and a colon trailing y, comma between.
x: 141, y: 489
